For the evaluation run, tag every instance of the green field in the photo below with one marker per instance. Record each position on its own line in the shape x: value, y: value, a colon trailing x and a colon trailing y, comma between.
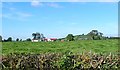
x: 73, y: 55
x: 97, y: 46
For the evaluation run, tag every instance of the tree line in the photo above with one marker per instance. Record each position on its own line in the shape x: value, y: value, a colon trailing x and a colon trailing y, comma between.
x: 37, y: 35
x: 9, y: 39
x: 92, y: 35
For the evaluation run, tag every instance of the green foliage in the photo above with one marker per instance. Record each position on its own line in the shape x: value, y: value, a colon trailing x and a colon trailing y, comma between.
x: 95, y: 35
x: 76, y: 37
x: 55, y: 61
x: 0, y: 38
x: 96, y: 38
x: 28, y: 39
x: 30, y: 61
x: 17, y: 39
x: 98, y: 46
x: 73, y: 55
x: 66, y: 62
x: 38, y: 36
x: 114, y: 38
x: 70, y: 37
x: 9, y: 39
x: 20, y: 39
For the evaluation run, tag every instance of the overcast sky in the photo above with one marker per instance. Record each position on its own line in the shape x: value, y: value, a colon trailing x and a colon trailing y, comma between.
x: 57, y: 19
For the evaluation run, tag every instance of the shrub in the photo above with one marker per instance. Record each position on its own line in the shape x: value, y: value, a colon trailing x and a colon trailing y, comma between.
x: 56, y: 61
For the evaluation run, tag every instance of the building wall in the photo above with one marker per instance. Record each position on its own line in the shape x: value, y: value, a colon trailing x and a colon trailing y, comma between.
x: 34, y: 40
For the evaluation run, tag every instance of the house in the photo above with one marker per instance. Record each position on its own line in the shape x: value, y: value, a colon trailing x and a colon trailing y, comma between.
x: 46, y: 39
x: 35, y: 40
x: 53, y: 39
x: 50, y: 39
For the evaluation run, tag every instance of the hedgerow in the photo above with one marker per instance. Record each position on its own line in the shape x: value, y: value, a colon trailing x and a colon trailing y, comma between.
x: 57, y: 61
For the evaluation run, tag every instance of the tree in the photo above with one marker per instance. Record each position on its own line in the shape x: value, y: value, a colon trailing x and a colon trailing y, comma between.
x: 0, y: 38
x: 34, y: 35
x: 76, y: 37
x: 20, y: 39
x: 17, y: 39
x: 82, y: 34
x: 28, y: 39
x: 42, y: 37
x: 38, y: 36
x: 70, y: 37
x: 96, y: 38
x: 95, y: 35
x: 100, y: 35
x: 9, y: 39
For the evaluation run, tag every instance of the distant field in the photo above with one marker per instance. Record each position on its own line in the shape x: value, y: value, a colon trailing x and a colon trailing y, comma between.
x: 98, y: 46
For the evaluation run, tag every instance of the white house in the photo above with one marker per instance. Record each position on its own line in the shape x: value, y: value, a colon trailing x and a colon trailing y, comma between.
x: 35, y: 40
x: 46, y: 39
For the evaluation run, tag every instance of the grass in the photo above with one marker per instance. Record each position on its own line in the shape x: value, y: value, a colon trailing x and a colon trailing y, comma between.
x: 75, y: 55
x: 97, y: 46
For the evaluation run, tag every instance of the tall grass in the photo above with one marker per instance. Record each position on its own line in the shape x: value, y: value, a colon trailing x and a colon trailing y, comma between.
x: 97, y: 46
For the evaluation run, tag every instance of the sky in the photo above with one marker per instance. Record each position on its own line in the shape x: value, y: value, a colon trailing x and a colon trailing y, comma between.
x: 57, y: 19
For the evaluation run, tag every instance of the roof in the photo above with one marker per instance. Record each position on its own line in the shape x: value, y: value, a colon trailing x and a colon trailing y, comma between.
x: 53, y: 38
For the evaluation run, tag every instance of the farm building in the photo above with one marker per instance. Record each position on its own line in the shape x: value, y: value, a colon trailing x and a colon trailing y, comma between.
x: 46, y: 39
x: 50, y: 39
x: 35, y: 40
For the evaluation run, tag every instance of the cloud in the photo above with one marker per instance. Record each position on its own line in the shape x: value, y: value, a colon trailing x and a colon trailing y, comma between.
x: 36, y: 3
x: 17, y: 16
x: 61, y: 0
x: 77, y: 0
x: 93, y: 0
x: 108, y: 0
x: 55, y: 5
x: 8, y: 6
x: 13, y: 13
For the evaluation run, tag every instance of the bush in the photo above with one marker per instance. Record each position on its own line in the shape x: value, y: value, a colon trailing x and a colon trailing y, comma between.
x: 55, y: 61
